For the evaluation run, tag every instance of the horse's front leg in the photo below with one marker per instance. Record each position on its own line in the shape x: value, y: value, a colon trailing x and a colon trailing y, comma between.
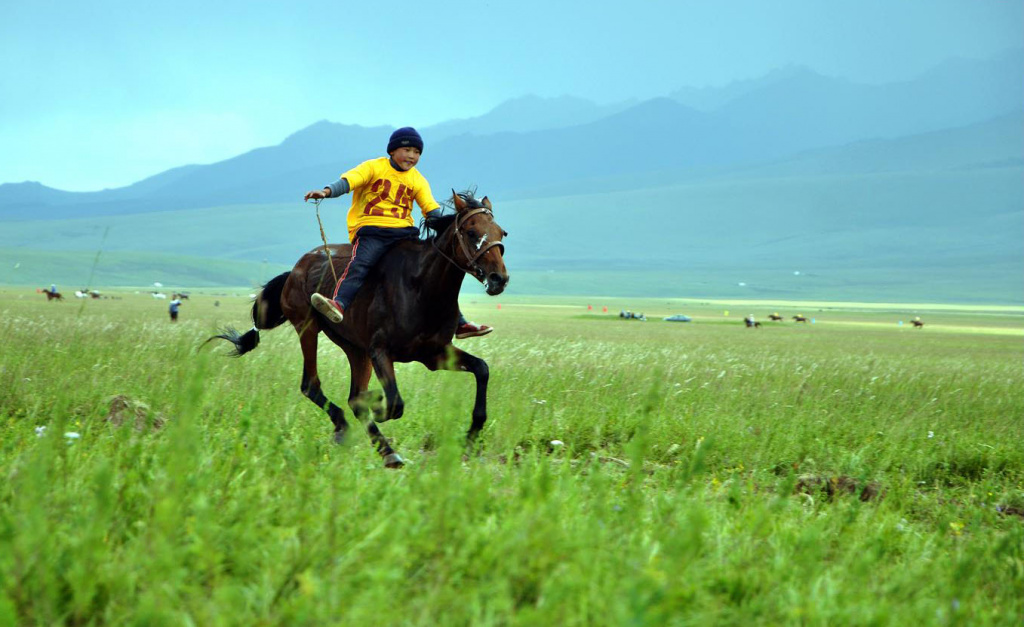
x: 384, y: 367
x: 452, y: 358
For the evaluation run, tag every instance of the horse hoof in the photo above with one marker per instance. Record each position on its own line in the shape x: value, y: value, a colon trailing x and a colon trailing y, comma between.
x: 386, y: 416
x: 393, y: 461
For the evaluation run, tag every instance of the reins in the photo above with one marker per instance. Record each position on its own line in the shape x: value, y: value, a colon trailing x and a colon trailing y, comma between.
x: 473, y: 268
x: 330, y: 262
x: 460, y: 219
x: 323, y: 236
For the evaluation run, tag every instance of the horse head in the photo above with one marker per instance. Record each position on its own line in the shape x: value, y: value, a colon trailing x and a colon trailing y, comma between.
x: 478, y: 248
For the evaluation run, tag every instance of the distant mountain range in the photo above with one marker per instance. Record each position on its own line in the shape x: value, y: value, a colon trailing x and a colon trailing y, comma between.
x: 576, y: 179
x: 530, y: 142
x: 529, y: 113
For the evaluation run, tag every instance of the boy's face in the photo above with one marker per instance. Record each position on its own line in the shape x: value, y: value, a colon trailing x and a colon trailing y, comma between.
x: 406, y: 157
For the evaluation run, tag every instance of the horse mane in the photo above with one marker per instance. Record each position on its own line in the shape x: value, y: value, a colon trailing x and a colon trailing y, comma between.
x: 435, y: 226
x: 431, y: 229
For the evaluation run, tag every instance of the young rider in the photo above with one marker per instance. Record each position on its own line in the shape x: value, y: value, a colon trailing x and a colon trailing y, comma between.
x: 383, y: 191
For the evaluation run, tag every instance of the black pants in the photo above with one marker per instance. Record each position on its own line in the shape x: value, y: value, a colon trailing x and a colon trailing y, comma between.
x: 370, y: 244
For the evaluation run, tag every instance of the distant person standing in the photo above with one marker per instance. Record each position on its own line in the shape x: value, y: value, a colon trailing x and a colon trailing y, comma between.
x: 174, y: 305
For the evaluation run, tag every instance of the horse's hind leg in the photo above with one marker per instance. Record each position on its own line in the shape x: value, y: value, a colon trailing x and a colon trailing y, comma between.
x: 364, y: 402
x: 311, y: 381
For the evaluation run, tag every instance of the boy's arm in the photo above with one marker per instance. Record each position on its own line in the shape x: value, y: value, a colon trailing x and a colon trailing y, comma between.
x: 353, y: 179
x: 425, y: 199
x: 338, y: 188
x: 335, y: 189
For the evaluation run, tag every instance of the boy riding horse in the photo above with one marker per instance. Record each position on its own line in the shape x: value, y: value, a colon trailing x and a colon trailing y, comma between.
x: 381, y: 216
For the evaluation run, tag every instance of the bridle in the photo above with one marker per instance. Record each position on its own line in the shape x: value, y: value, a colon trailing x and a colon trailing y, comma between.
x: 460, y: 238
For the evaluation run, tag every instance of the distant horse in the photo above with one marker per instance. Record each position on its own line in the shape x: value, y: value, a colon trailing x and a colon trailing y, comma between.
x: 407, y: 310
x: 53, y: 295
x: 917, y: 324
x: 752, y: 324
x: 775, y: 317
x: 800, y: 318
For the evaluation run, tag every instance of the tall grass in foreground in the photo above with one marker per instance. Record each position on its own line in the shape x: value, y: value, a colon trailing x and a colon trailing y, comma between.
x: 692, y: 485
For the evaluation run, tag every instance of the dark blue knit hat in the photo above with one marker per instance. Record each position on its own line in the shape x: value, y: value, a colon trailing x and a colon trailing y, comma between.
x: 405, y: 137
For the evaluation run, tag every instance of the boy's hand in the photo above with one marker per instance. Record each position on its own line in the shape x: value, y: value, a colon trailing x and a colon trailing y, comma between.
x: 317, y: 194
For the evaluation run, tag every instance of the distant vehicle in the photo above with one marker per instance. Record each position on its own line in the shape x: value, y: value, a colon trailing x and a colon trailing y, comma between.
x: 678, y: 318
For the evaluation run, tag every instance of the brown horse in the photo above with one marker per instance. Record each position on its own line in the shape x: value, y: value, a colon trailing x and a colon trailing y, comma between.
x: 800, y: 318
x: 917, y: 324
x: 53, y: 295
x: 775, y: 316
x: 407, y: 310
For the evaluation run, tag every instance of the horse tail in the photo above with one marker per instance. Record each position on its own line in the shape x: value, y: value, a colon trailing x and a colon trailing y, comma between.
x: 266, y: 309
x: 266, y: 314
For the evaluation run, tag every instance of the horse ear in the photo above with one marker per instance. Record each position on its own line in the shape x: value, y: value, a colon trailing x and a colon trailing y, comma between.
x: 486, y: 202
x: 460, y: 204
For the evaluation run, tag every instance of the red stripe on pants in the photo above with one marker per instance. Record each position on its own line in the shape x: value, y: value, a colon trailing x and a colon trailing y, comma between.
x: 355, y: 247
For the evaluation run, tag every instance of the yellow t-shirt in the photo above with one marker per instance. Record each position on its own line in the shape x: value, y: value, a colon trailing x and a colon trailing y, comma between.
x: 382, y: 195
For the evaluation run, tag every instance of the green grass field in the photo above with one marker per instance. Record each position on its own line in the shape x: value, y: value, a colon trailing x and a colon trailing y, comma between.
x: 850, y: 471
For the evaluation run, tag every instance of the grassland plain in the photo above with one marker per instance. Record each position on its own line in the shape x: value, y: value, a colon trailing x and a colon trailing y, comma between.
x: 702, y: 478
x: 854, y: 236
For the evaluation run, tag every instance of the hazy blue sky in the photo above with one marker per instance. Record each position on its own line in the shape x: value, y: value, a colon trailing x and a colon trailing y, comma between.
x: 101, y: 94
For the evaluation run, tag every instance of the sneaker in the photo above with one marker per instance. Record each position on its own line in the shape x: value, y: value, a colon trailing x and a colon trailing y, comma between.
x: 329, y: 307
x: 471, y: 330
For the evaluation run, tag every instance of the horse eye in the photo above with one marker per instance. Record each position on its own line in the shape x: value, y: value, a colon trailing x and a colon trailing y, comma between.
x: 471, y: 233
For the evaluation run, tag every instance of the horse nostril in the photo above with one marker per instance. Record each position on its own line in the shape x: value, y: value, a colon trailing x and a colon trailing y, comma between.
x: 496, y: 279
